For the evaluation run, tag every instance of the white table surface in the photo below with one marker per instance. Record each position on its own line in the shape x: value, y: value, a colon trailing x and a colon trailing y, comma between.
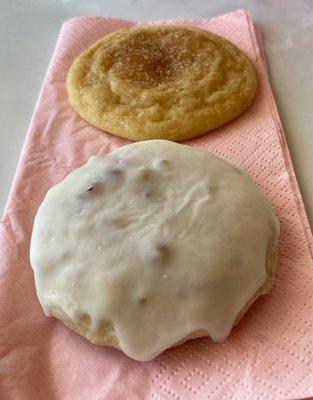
x: 28, y: 33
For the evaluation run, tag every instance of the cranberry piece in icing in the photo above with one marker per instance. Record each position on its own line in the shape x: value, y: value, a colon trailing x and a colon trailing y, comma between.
x: 114, y: 177
x: 160, y: 252
x: 144, y: 172
x: 145, y: 193
x: 91, y: 187
x: 161, y: 163
x: 142, y: 300
x: 115, y: 172
x: 164, y: 162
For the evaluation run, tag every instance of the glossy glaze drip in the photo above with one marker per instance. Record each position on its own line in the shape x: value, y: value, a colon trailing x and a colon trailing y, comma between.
x: 161, y: 239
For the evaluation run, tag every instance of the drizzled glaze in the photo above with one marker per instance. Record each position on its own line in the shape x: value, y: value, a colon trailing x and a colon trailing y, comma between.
x: 160, y: 238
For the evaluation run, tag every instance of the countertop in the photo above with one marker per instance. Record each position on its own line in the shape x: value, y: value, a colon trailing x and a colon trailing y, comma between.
x: 29, y: 30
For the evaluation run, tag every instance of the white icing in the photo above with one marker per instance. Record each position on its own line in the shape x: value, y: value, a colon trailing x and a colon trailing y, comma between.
x: 160, y: 238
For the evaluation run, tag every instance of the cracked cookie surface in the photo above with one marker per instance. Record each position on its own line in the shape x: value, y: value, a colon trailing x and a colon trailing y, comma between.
x: 161, y: 82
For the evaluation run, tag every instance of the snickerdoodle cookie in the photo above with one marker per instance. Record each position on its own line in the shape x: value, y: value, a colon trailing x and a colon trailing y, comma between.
x: 161, y: 82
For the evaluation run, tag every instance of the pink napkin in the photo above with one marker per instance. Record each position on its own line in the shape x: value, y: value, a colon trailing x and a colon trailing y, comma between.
x: 269, y: 355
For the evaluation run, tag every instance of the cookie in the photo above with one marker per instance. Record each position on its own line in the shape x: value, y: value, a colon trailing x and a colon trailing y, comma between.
x: 151, y: 245
x: 161, y: 82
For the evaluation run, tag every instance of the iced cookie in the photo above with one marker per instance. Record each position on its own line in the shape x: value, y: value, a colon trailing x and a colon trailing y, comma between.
x: 161, y: 82
x: 152, y: 244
